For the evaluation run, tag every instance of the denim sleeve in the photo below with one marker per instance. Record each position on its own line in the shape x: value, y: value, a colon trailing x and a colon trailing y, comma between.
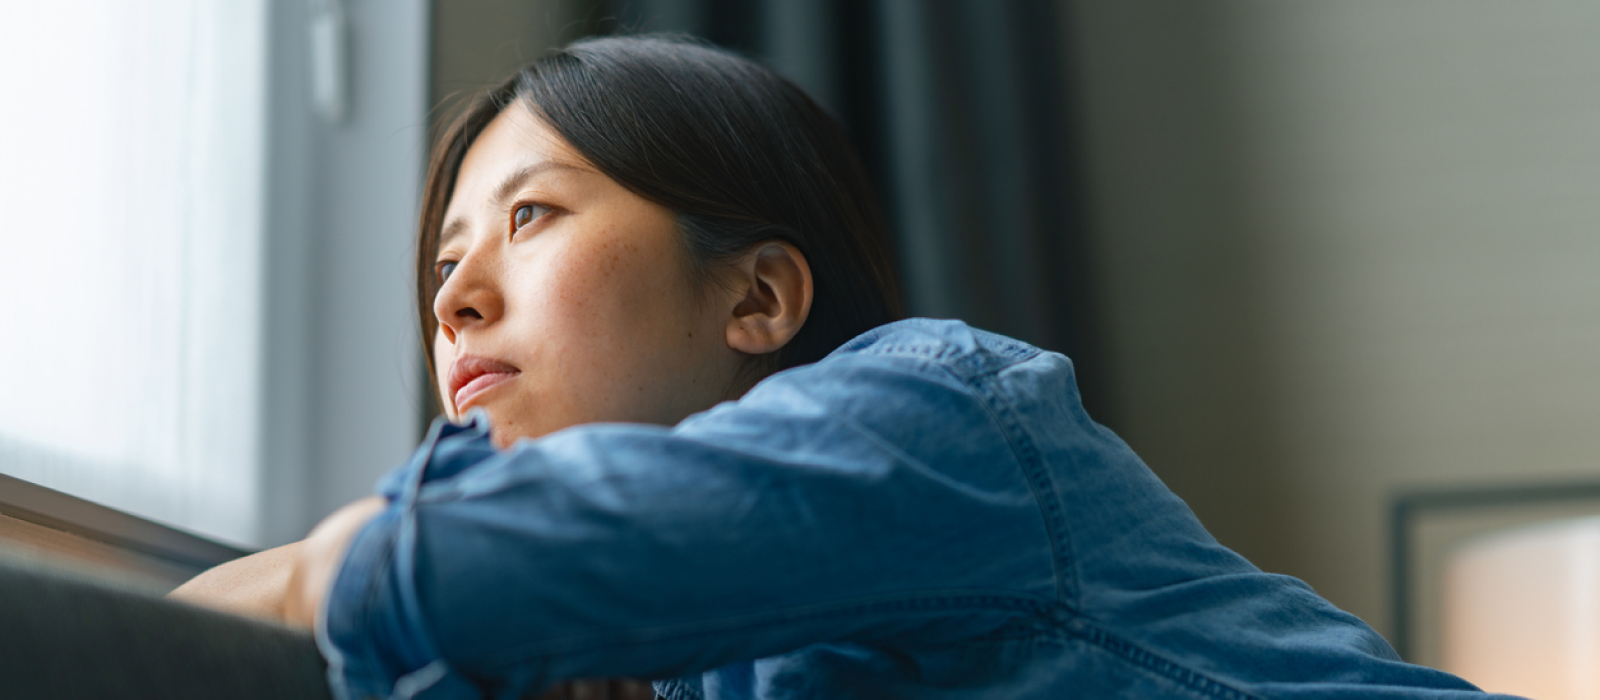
x: 869, y: 498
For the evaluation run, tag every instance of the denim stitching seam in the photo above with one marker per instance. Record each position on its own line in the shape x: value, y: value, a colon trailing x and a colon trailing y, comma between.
x: 1039, y: 481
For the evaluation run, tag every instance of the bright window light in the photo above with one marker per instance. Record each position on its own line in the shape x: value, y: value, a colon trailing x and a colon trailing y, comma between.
x: 1521, y: 613
x: 131, y: 219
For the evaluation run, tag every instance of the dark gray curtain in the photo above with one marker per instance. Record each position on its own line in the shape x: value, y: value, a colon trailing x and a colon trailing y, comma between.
x: 961, y: 110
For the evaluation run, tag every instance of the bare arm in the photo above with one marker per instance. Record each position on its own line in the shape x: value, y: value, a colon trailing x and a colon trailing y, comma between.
x: 285, y: 584
x: 252, y: 586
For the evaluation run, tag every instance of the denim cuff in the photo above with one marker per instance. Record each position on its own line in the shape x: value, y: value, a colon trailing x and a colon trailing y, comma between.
x: 447, y: 449
x: 371, y: 629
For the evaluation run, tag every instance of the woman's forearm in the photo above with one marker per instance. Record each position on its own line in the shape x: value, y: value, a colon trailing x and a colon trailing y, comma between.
x: 284, y: 584
x: 254, y: 586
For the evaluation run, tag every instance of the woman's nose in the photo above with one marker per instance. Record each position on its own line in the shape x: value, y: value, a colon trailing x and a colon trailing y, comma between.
x: 468, y: 298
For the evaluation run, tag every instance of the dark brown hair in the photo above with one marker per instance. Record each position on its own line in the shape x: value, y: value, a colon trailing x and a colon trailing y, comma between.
x: 738, y: 154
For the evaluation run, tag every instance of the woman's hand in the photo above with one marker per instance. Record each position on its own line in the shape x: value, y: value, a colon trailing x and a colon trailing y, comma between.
x: 290, y: 584
x: 318, y: 558
x: 253, y: 586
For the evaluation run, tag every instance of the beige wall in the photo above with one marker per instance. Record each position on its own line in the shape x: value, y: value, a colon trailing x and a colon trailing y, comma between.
x: 1348, y: 248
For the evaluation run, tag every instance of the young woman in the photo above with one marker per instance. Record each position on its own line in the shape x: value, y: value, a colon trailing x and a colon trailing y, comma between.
x: 690, y: 441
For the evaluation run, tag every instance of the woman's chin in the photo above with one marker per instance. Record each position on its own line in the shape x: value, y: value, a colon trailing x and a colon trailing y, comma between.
x: 504, y: 431
x: 506, y: 427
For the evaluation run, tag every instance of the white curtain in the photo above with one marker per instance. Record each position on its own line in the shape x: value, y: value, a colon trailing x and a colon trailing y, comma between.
x: 131, y: 171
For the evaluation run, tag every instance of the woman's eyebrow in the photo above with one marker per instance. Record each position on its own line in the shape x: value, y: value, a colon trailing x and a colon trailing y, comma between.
x: 521, y: 175
x: 451, y: 230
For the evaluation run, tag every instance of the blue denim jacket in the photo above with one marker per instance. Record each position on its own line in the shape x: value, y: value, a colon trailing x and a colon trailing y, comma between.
x: 927, y: 513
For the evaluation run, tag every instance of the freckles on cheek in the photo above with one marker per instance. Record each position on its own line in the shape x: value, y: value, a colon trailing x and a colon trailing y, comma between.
x: 605, y: 291
x: 589, y: 282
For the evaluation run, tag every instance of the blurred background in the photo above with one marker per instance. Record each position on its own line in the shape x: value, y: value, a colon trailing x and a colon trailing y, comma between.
x: 1330, y: 268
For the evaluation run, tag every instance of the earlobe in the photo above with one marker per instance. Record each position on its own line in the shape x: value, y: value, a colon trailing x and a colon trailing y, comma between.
x: 772, y: 298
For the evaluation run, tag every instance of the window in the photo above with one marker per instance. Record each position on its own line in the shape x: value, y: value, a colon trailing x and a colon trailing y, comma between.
x: 206, y: 311
x: 132, y: 202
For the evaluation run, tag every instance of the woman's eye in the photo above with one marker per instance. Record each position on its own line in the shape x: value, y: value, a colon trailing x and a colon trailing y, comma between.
x: 525, y: 215
x: 444, y: 269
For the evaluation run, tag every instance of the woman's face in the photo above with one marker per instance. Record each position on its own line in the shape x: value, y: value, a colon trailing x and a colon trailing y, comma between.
x: 565, y: 296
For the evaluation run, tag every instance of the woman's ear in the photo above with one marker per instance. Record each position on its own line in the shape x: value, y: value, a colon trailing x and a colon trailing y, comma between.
x: 771, y: 288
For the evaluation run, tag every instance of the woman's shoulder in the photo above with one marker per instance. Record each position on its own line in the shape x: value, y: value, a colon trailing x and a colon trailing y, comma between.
x: 946, y: 343
x: 929, y: 372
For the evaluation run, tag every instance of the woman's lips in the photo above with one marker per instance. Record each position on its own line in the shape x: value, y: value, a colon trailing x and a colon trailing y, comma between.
x: 472, y: 375
x: 482, y: 383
